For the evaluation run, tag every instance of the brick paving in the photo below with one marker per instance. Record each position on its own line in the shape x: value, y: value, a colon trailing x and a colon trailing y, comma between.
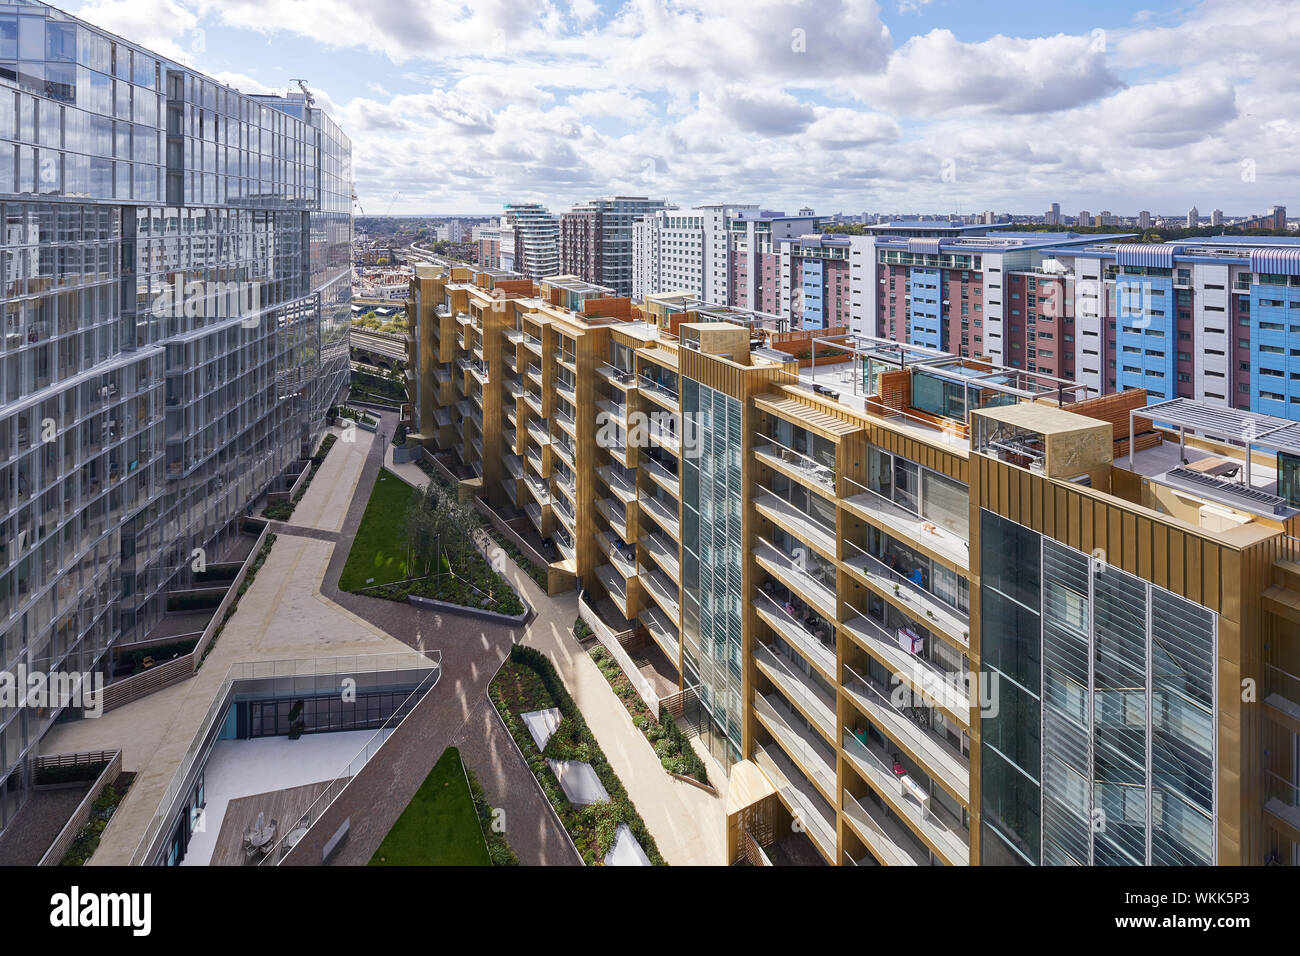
x: 280, y: 527
x: 456, y: 712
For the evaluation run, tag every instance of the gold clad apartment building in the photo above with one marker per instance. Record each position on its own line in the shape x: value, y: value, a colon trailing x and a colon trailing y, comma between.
x: 924, y: 610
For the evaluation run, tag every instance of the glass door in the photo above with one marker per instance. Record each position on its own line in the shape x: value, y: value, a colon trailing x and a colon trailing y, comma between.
x: 1288, y: 478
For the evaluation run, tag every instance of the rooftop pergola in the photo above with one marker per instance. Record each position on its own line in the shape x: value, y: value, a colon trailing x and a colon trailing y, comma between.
x: 1000, y: 378
x: 1228, y: 424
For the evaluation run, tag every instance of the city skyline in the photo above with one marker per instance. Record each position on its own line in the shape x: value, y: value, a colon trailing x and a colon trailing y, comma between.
x: 833, y: 103
x: 708, y: 519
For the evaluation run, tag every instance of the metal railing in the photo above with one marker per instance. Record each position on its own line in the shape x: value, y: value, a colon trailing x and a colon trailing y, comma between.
x: 937, y: 753
x: 821, y: 595
x: 819, y: 472
x: 905, y: 587
x: 800, y: 686
x: 796, y: 633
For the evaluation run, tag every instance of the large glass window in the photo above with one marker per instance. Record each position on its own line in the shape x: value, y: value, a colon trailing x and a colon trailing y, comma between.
x: 945, y: 502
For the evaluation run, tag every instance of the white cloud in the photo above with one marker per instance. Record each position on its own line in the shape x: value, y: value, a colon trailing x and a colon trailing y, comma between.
x: 781, y: 102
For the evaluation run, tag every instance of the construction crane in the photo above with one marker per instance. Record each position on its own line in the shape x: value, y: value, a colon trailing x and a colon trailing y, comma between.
x: 302, y: 85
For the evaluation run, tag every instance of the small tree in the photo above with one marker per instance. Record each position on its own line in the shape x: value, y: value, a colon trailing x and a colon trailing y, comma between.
x: 422, y: 530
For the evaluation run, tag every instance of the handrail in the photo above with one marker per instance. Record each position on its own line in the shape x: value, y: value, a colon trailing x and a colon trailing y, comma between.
x: 885, y: 571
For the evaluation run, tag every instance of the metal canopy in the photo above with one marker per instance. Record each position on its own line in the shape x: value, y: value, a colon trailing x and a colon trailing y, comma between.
x: 1249, y: 428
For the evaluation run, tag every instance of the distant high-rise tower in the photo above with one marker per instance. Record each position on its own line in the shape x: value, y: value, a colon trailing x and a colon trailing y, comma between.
x: 537, y: 239
x: 1144, y: 219
x: 1216, y: 218
x: 1193, y: 218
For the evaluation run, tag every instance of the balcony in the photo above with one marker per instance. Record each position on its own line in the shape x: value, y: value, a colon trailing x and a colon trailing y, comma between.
x: 795, y: 465
x: 796, y: 521
x: 798, y: 796
x: 621, y: 557
x: 566, y: 390
x: 563, y: 447
x: 515, y: 335
x: 534, y: 513
x: 565, y: 547
x: 664, y: 438
x: 809, y: 752
x: 816, y: 704
x: 538, y: 432
x: 663, y: 590
x: 660, y: 394
x: 664, y: 478
x: 615, y: 586
x: 568, y: 423
x: 533, y: 344
x: 537, y: 462
x: 926, y: 607
x: 663, y: 631
x: 663, y: 553
x: 534, y: 373
x: 539, y: 490
x: 943, y: 689
x: 665, y: 517
x: 887, y: 839
x: 620, y: 378
x: 799, y: 634
x: 928, y: 819
x: 615, y: 514
x: 910, y: 732
x: 514, y: 466
x: 566, y: 513
x: 568, y: 359
x: 617, y: 483
x: 913, y: 528
x: 786, y: 570
x: 534, y: 401
x: 615, y: 410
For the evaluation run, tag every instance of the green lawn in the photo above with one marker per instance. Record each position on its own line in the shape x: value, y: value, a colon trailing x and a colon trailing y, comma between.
x: 379, y: 550
x: 440, y: 826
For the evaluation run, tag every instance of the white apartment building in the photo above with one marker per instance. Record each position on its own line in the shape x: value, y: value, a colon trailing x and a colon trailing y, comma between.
x: 533, y: 235
x: 685, y: 250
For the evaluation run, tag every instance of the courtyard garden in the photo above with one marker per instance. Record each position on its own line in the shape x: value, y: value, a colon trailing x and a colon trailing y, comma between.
x: 422, y: 543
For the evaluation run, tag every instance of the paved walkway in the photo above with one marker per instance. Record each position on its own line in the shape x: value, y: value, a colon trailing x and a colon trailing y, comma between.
x: 329, y: 497
x: 688, y: 824
x: 453, y: 713
x: 283, y: 616
x: 295, y: 610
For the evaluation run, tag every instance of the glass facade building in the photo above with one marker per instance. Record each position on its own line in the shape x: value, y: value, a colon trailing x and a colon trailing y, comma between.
x: 175, y: 259
x: 1101, y: 748
x: 712, y: 546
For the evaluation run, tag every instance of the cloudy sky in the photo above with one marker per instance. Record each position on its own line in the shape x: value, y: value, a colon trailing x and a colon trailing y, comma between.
x: 842, y: 105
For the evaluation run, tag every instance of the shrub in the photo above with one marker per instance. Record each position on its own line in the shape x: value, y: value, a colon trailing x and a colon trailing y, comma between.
x: 594, y: 827
x: 671, y: 745
x: 498, y: 846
